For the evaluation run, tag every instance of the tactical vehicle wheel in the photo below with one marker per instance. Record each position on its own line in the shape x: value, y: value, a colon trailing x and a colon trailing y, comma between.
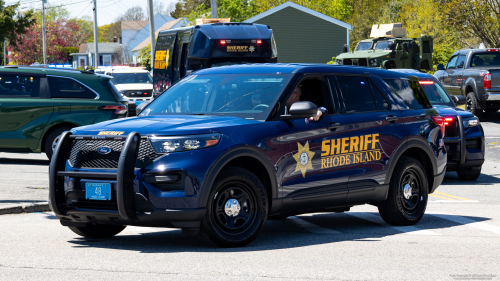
x: 237, y: 208
x: 407, y: 198
x: 52, y: 139
x: 471, y: 105
x: 98, y: 231
x: 469, y: 176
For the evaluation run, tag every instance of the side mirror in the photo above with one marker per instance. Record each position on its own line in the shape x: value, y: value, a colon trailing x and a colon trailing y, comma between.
x: 392, y: 46
x: 459, y: 99
x: 141, y: 107
x: 345, y: 49
x: 440, y: 67
x: 301, y: 109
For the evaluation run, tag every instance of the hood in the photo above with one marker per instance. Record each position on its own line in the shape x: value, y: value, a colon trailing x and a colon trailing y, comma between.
x: 449, y: 111
x: 165, y: 125
x: 132, y: 87
x: 369, y: 54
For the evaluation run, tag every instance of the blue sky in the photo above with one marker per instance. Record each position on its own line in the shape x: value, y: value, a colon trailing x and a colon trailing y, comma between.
x: 107, y: 10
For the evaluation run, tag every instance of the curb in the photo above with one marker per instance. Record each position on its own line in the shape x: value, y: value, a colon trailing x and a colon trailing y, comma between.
x: 25, y: 208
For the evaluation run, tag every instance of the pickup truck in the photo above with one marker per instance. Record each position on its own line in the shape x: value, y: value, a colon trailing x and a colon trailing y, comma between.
x: 475, y: 74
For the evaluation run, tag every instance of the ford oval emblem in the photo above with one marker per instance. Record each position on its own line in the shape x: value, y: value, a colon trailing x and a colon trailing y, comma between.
x: 104, y: 150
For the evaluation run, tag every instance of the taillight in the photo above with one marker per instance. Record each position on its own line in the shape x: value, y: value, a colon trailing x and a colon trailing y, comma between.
x: 440, y: 121
x: 223, y: 42
x: 426, y: 82
x: 447, y: 120
x: 487, y: 80
x: 259, y: 41
x: 493, y: 50
x: 119, y: 109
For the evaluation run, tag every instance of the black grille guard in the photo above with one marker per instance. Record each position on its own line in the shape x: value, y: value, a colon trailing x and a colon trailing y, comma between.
x: 124, y: 176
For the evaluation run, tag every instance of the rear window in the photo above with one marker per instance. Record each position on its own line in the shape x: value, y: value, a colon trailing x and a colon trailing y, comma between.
x: 485, y: 59
x: 69, y: 88
x: 410, y: 92
x: 110, y: 87
x: 437, y: 95
x: 19, y: 86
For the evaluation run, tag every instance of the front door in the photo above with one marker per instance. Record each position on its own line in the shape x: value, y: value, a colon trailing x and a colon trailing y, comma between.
x: 307, y: 179
x: 449, y: 69
x: 456, y: 77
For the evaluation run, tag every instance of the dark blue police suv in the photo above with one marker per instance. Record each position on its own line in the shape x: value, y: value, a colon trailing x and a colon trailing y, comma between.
x: 226, y: 148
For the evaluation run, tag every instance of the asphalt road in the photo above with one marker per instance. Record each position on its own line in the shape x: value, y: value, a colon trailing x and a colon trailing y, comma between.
x: 458, y: 239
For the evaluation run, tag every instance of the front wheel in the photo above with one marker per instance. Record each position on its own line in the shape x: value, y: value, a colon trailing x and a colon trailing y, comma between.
x: 408, y: 194
x: 237, y: 208
x: 53, y: 139
x: 471, y: 105
x: 97, y: 231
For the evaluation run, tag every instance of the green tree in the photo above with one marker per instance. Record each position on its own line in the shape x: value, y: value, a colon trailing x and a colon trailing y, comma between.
x: 13, y: 22
x: 236, y: 10
x: 338, y: 9
x: 145, y: 57
x: 184, y: 8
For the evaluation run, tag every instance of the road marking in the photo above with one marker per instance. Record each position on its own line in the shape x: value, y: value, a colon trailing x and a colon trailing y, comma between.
x: 453, y: 201
x: 437, y: 196
x: 468, y: 222
x: 405, y: 229
x: 312, y: 227
x: 449, y: 195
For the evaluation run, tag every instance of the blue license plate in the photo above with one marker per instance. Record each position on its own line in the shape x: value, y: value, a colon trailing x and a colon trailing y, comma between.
x: 98, y: 191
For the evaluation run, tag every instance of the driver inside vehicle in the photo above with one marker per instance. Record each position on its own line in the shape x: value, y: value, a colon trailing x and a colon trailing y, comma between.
x: 296, y: 96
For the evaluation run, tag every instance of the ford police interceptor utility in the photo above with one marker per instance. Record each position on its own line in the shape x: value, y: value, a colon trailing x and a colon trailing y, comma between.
x: 221, y: 152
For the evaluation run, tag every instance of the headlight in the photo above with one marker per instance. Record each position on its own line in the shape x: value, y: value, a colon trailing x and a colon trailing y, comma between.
x: 473, y: 122
x: 184, y: 143
x: 123, y: 92
x: 371, y: 61
x: 374, y: 60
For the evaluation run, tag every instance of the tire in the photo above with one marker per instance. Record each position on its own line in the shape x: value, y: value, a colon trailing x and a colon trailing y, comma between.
x: 401, y: 209
x: 472, y: 106
x: 469, y: 176
x: 225, y: 229
x: 98, y: 231
x: 52, y: 139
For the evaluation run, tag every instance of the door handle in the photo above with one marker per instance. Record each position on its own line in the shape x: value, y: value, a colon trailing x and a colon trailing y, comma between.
x: 391, y: 118
x: 333, y: 126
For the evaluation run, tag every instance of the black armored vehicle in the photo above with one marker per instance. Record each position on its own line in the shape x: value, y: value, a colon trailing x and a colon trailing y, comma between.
x: 181, y: 51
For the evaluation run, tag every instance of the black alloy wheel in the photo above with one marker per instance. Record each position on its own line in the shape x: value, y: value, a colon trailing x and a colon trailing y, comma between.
x: 408, y: 194
x: 237, y: 208
x: 471, y: 105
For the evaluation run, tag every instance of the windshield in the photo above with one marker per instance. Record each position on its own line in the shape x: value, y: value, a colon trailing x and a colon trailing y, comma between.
x: 485, y: 59
x: 250, y: 96
x: 437, y: 95
x: 382, y: 45
x: 363, y: 46
x: 131, y: 78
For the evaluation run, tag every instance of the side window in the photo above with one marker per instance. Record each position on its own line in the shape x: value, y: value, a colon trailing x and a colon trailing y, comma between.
x: 315, y: 91
x: 410, y: 92
x: 19, y: 87
x: 380, y: 101
x: 460, y: 61
x: 68, y: 88
x: 356, y: 93
x: 452, y: 63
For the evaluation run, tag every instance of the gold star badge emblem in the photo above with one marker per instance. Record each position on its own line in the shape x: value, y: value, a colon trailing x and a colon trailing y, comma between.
x: 251, y: 49
x: 303, y: 158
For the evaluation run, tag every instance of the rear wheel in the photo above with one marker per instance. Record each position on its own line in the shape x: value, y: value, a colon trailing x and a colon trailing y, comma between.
x: 408, y: 194
x: 237, y: 208
x: 469, y: 176
x: 52, y: 140
x: 471, y: 105
x: 98, y: 231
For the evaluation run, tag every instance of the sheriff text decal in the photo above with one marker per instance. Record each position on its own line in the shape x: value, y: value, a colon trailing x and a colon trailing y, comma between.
x: 352, y: 150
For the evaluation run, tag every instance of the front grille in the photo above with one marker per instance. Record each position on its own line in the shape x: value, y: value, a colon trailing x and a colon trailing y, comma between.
x: 84, y: 154
x: 97, y: 204
x: 452, y: 129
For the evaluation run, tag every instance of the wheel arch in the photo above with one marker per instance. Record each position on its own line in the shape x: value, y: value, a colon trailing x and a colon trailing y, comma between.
x: 420, y: 150
x: 246, y: 157
x: 470, y: 86
x: 53, y: 128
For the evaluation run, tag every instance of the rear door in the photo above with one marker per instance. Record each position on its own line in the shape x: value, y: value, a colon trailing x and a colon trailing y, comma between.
x: 25, y: 108
x: 374, y: 130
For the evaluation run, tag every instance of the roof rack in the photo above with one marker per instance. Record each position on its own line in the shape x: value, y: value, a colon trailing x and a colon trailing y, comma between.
x: 50, y: 68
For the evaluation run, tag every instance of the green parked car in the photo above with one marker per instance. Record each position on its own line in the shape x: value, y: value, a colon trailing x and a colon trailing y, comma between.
x: 38, y: 104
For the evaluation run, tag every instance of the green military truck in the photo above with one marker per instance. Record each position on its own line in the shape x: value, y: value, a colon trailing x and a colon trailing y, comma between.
x: 389, y: 49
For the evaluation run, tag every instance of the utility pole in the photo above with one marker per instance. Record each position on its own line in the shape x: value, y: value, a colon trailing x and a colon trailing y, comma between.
x: 152, y: 30
x: 96, y: 60
x: 213, y: 7
x: 44, y: 34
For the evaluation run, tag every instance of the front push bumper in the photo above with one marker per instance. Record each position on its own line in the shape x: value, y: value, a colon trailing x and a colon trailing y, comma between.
x: 132, y: 208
